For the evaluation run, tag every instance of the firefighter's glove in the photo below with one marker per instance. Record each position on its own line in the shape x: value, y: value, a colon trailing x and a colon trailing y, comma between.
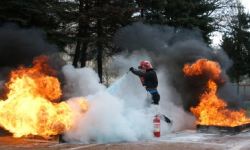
x: 131, y: 69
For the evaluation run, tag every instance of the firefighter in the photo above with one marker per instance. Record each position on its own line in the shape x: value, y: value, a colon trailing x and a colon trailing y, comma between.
x: 149, y: 80
x: 141, y: 69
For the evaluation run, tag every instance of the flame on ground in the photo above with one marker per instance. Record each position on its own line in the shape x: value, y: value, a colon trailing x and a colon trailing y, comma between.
x: 212, y: 110
x: 29, y: 108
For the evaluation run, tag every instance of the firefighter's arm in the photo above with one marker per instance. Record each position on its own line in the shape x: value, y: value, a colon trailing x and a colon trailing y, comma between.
x: 139, y: 73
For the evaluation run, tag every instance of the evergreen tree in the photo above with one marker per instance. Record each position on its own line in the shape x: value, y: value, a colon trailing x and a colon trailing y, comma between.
x: 100, y: 21
x: 191, y: 14
x: 48, y: 15
x: 19, y: 11
x: 187, y: 14
x: 236, y: 42
x: 152, y: 11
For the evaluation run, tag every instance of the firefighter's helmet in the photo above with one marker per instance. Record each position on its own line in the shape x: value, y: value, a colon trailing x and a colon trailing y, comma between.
x: 146, y: 64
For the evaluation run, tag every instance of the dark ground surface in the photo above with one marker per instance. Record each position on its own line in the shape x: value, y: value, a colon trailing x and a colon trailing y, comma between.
x: 186, y: 139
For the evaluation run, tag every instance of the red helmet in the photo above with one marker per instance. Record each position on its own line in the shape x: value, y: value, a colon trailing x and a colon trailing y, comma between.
x: 146, y: 64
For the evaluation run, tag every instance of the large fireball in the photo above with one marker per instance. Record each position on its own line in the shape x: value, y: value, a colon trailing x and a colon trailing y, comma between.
x: 29, y: 108
x: 212, y: 110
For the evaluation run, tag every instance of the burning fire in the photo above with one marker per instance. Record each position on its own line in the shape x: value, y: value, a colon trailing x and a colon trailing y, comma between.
x: 212, y: 110
x: 29, y: 108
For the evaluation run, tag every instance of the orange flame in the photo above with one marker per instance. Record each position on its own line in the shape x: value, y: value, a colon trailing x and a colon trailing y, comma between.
x: 212, y: 110
x: 28, y: 108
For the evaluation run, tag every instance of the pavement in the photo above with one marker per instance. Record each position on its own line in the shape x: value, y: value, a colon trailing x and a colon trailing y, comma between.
x: 186, y: 139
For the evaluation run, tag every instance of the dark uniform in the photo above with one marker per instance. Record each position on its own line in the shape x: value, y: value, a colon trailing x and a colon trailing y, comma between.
x: 151, y: 84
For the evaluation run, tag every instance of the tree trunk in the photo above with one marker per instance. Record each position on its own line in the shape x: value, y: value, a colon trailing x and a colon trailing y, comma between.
x: 99, y: 43
x: 238, y: 86
x: 99, y: 49
x: 142, y: 13
x: 85, y: 42
x: 77, y: 53
x: 79, y: 34
x: 84, y: 54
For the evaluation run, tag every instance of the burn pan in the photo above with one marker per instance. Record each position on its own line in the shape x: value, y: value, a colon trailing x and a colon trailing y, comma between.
x: 4, y: 132
x: 223, y: 130
x: 36, y: 138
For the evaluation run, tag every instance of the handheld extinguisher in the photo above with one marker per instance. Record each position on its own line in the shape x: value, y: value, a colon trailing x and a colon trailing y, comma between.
x: 157, y: 126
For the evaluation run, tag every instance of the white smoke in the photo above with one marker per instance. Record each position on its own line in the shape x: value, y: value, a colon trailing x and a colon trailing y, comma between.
x: 80, y: 82
x: 181, y: 118
x: 120, y: 116
x: 168, y: 94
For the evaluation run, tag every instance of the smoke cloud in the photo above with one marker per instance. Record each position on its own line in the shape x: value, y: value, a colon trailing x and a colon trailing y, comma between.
x: 19, y: 47
x: 115, y: 117
x: 169, y: 50
x: 124, y: 116
x: 80, y: 82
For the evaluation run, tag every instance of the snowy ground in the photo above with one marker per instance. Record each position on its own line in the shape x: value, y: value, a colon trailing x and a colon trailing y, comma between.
x: 187, y: 139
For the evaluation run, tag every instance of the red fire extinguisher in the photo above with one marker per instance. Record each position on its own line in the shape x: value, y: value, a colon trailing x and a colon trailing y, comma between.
x: 157, y: 126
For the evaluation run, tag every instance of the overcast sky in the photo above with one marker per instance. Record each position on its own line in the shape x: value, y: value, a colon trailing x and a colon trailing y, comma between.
x: 217, y: 38
x: 246, y: 3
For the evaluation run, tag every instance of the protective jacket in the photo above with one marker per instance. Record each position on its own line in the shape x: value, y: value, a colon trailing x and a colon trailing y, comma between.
x: 150, y: 78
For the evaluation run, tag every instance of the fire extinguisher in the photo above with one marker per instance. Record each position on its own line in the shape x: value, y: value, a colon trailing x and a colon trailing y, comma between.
x: 157, y: 126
